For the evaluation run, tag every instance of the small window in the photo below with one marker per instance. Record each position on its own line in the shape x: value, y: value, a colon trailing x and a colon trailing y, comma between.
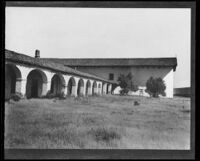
x: 111, y: 76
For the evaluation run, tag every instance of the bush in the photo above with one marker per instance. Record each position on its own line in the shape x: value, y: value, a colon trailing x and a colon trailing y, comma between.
x: 136, y: 103
x: 95, y: 95
x: 124, y: 91
x: 16, y: 96
x: 80, y: 95
x: 105, y: 134
x: 49, y: 95
x: 61, y: 95
x: 127, y: 83
x: 155, y: 87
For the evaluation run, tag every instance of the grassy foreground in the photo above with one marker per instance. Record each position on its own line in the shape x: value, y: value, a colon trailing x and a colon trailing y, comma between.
x: 104, y: 122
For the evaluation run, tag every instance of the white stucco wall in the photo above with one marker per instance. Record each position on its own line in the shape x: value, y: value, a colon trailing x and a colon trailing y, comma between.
x: 169, y: 82
x: 103, y: 72
x: 140, y: 76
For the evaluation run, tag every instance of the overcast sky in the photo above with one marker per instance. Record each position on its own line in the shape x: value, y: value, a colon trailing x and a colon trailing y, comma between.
x: 102, y: 33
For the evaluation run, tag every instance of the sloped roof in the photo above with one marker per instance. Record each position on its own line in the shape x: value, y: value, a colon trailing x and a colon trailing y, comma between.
x: 24, y: 59
x: 161, y: 62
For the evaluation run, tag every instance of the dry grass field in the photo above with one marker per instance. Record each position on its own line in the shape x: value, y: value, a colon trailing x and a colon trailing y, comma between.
x: 106, y: 122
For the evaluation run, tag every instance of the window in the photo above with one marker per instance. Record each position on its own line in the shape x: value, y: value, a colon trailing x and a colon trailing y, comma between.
x: 111, y: 76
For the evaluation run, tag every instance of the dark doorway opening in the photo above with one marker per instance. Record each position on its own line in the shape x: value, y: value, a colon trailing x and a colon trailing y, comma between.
x: 34, y: 88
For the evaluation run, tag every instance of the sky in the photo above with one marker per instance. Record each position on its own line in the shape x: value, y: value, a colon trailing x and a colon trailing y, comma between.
x: 102, y: 33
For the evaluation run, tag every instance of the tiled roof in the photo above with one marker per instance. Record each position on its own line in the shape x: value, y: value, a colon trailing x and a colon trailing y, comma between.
x: 161, y: 62
x: 24, y: 59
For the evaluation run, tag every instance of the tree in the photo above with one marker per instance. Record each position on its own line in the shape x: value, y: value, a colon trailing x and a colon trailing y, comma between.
x: 155, y: 87
x: 126, y: 83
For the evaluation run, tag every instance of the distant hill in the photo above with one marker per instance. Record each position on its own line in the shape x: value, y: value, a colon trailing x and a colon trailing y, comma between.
x: 186, y: 91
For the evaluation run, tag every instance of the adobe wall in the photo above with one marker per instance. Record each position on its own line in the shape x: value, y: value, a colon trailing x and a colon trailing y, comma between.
x: 104, y: 71
x: 140, y: 75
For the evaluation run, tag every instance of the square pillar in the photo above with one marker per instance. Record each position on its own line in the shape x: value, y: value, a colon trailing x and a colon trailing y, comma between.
x: 105, y: 88
x: 109, y: 88
x: 74, y: 90
x: 21, y: 86
x: 46, y: 87
x: 90, y: 88
x: 65, y: 90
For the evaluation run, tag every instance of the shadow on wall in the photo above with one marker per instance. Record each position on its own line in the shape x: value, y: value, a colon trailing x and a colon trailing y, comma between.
x: 36, y: 82
x: 12, y: 80
x: 185, y: 92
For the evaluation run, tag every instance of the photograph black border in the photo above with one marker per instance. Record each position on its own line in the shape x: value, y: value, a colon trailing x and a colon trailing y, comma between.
x: 111, y: 153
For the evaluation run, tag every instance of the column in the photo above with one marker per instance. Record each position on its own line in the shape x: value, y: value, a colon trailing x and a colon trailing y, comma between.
x: 90, y: 88
x: 105, y: 88
x: 100, y: 89
x: 47, y: 85
x: 109, y: 88
x: 66, y: 78
x: 84, y: 86
x: 21, y: 82
x: 21, y: 86
x: 75, y: 87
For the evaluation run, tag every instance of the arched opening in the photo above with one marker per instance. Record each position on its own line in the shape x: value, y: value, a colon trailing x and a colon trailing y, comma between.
x: 36, y: 83
x: 107, y: 89
x: 80, y: 90
x: 57, y: 84
x: 94, y: 88
x: 12, y: 80
x: 71, y: 86
x: 88, y: 87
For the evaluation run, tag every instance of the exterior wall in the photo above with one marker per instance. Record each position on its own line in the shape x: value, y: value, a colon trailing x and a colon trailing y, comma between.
x: 103, y: 72
x: 23, y: 83
x: 140, y: 76
x: 169, y: 82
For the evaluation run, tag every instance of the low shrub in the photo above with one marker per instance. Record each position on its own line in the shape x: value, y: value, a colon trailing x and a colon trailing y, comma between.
x: 48, y: 95
x: 95, y: 95
x: 16, y: 96
x: 61, y: 96
x: 80, y: 95
x: 124, y: 91
x: 136, y: 103
x: 104, y: 134
x: 78, y: 98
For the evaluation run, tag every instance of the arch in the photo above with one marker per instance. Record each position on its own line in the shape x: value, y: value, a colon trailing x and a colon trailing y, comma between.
x: 80, y: 89
x: 71, y: 86
x: 12, y: 80
x: 94, y: 88
x: 57, y: 84
x: 107, y: 89
x: 36, y: 83
x: 88, y: 87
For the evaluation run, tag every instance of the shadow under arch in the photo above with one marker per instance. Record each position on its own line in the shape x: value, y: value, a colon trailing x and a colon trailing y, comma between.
x: 71, y: 86
x: 12, y: 80
x: 36, y: 83
x: 94, y: 88
x: 57, y: 84
x: 80, y: 87
x: 88, y: 86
